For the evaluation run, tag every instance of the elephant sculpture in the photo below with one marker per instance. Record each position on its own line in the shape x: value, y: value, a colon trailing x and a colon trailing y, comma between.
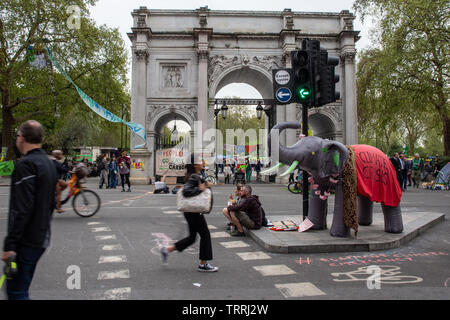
x: 359, y: 175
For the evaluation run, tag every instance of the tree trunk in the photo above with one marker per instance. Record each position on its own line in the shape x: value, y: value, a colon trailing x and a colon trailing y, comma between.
x: 8, y: 126
x: 446, y: 133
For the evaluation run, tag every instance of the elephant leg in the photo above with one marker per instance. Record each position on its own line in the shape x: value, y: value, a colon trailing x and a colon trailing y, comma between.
x: 338, y: 228
x: 365, y: 211
x: 393, y: 222
x: 317, y: 212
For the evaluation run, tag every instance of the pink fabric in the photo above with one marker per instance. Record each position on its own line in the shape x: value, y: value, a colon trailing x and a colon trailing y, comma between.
x: 377, y: 179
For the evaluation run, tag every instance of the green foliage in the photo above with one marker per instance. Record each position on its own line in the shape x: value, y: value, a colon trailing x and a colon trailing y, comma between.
x: 403, y: 81
x: 93, y: 56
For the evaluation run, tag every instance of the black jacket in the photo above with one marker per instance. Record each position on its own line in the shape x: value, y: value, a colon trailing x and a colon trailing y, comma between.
x: 250, y: 205
x: 32, y: 201
x: 191, y: 187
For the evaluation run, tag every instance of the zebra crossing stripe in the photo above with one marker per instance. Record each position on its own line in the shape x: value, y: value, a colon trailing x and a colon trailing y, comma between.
x: 274, y: 270
x: 117, y: 294
x: 107, y: 237
x: 257, y: 255
x: 112, y: 259
x: 109, y: 275
x: 298, y: 290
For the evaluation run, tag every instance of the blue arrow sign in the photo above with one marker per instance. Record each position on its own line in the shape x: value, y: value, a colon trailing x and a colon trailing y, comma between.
x: 283, y: 94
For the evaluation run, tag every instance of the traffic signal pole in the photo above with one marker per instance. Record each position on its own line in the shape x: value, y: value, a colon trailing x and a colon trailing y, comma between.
x: 305, y: 173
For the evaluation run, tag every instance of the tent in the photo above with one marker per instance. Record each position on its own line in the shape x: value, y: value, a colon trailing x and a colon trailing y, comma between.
x: 443, y: 176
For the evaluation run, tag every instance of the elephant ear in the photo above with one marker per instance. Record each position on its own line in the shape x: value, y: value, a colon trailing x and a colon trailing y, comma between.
x: 334, y: 155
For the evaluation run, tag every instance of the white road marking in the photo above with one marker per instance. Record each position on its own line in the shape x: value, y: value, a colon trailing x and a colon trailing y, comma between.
x: 234, y: 244
x: 274, y: 270
x: 220, y: 235
x: 257, y: 255
x: 298, y: 290
x: 172, y: 212
x: 117, y: 294
x: 101, y: 229
x: 94, y: 223
x: 112, y: 259
x: 109, y: 275
x: 211, y: 227
x: 108, y: 237
x: 112, y: 247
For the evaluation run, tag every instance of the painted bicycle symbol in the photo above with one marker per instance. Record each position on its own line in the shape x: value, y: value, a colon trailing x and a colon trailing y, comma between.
x: 387, y: 275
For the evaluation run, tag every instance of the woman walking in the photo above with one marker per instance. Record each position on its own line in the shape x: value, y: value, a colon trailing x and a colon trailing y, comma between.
x: 194, y: 185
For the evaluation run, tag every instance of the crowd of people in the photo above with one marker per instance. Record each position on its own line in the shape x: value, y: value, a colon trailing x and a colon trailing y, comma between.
x: 231, y: 167
x: 412, y: 172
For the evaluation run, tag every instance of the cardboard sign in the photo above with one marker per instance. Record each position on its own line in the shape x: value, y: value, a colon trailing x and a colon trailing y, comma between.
x: 285, y: 225
x: 171, y: 162
x: 305, y: 225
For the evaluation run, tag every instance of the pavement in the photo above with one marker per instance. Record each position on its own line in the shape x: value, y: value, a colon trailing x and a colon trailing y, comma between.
x: 370, y: 238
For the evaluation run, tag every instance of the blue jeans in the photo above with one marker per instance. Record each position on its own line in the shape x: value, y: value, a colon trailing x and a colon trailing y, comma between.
x: 112, y: 179
x: 27, y: 259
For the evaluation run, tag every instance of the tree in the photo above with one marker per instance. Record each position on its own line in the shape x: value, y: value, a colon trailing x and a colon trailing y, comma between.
x: 412, y: 54
x: 93, y: 56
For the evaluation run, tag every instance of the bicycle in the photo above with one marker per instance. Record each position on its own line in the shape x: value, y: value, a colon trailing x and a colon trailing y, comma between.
x: 295, y: 187
x: 210, y: 177
x: 85, y: 202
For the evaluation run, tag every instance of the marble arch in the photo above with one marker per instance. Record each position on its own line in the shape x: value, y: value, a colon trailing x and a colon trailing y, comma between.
x: 181, y: 59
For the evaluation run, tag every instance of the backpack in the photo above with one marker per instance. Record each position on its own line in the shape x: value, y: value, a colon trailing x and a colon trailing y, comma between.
x: 264, y: 219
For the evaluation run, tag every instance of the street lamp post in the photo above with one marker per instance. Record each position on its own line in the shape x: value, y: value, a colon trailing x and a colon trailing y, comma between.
x: 223, y: 110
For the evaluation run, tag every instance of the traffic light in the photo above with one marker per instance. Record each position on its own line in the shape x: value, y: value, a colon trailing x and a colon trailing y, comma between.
x: 302, y: 68
x: 326, y: 79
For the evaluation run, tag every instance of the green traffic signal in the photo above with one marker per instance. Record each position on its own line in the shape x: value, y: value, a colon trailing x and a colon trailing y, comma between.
x: 304, y: 93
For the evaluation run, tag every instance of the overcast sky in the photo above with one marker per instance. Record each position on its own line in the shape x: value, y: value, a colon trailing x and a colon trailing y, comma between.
x: 117, y: 13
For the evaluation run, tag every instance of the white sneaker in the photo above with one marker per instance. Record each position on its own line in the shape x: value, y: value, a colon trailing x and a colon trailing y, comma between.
x: 207, y: 268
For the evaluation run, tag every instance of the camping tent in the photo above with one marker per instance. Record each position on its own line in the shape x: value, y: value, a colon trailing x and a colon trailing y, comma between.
x: 444, y: 175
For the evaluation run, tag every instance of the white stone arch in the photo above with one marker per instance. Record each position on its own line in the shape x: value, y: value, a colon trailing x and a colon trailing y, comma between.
x: 156, y: 120
x: 256, y: 76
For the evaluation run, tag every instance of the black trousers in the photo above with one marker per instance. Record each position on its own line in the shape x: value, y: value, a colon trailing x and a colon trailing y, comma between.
x: 197, y: 224
x: 125, y: 178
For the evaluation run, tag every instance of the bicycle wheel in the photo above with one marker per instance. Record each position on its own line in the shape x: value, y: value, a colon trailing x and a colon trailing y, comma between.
x: 211, y: 179
x: 86, y: 203
x: 295, y: 188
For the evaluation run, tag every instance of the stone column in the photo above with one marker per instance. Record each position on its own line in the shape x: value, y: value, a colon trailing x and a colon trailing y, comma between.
x: 348, y: 36
x: 140, y: 37
x: 202, y: 37
x: 350, y: 110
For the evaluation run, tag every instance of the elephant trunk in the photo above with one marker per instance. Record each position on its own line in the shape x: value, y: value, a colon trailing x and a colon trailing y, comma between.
x: 284, y: 155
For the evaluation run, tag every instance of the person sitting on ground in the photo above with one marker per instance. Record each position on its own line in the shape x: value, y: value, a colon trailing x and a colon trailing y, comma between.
x: 245, y: 214
x: 161, y: 187
x: 231, y: 200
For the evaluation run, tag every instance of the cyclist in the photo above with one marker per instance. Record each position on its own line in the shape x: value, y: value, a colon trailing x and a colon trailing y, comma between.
x: 78, y: 173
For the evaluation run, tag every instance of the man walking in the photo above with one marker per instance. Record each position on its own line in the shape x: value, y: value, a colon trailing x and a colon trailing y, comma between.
x: 32, y: 201
x: 103, y: 169
x: 417, y: 166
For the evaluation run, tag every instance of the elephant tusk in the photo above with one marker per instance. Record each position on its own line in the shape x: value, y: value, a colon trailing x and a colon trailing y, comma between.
x: 291, y: 168
x: 276, y: 167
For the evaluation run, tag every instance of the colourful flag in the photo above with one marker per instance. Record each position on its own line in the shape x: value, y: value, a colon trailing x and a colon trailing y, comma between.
x: 137, y: 128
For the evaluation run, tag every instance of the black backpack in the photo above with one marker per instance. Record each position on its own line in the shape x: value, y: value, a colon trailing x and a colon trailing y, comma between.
x: 264, y: 219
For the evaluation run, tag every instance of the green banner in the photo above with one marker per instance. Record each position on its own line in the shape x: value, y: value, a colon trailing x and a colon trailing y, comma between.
x: 6, y: 168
